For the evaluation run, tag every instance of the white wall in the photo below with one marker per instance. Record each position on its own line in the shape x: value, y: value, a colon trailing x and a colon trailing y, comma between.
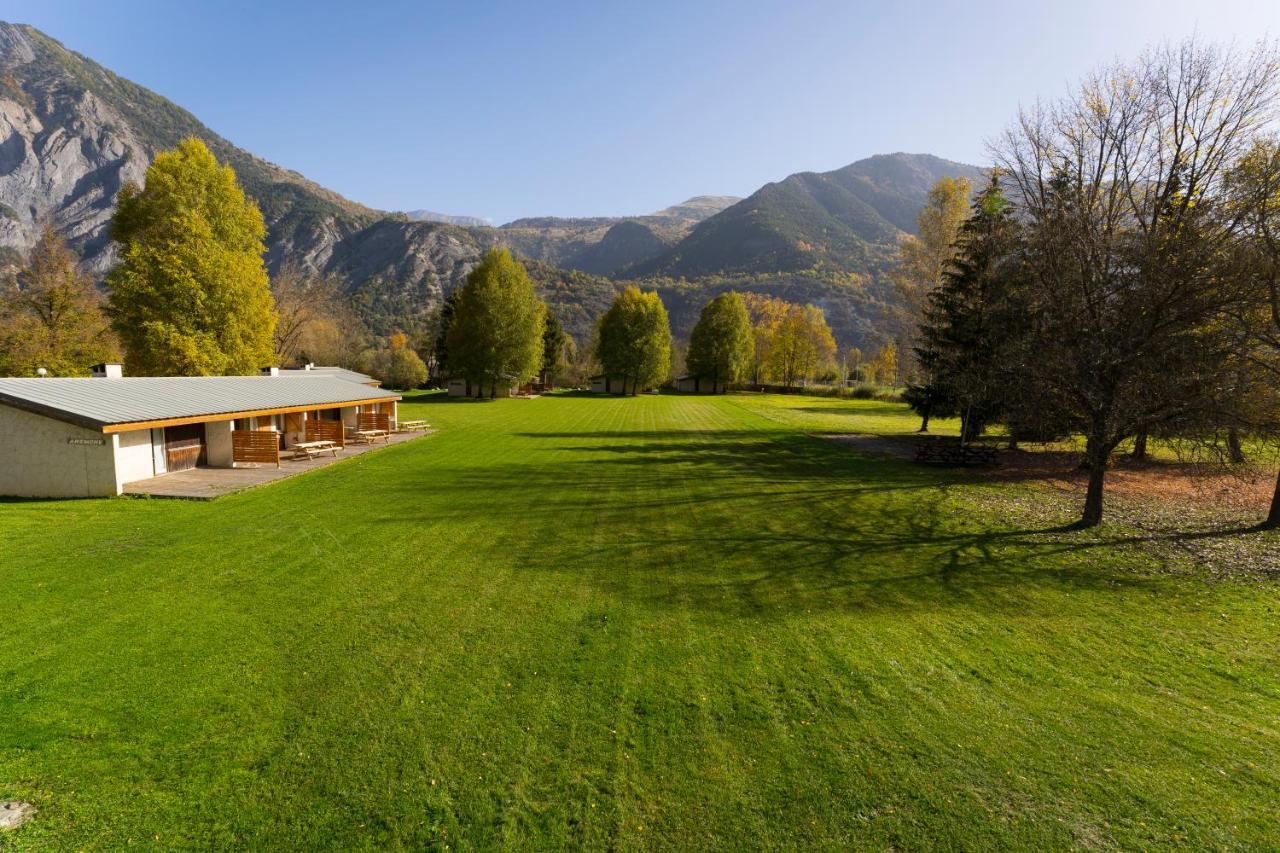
x: 217, y: 444
x: 134, y: 458
x: 37, y: 459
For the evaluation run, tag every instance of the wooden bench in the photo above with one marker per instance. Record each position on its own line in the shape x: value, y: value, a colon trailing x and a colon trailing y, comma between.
x: 954, y: 453
x: 410, y: 426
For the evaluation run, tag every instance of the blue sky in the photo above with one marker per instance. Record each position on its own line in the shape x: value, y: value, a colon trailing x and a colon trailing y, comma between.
x: 506, y: 110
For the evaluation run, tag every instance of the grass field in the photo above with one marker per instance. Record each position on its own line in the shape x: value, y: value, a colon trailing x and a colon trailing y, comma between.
x: 664, y: 621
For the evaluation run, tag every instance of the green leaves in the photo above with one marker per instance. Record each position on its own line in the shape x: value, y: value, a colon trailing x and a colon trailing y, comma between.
x: 496, y: 335
x: 721, y: 345
x: 191, y: 296
x: 635, y: 339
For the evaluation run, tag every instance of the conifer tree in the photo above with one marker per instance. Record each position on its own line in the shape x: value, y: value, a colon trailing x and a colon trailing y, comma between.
x: 968, y: 319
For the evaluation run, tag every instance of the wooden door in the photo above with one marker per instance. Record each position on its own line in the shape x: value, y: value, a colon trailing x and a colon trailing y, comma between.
x: 184, y: 447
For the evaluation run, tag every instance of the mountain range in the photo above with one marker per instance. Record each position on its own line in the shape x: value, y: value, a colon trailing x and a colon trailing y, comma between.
x: 72, y: 133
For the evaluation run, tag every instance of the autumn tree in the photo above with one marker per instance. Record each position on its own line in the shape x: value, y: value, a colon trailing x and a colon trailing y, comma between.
x: 1126, y: 231
x: 801, y: 344
x: 721, y: 345
x: 634, y: 340
x: 923, y: 257
x: 306, y: 304
x: 52, y: 317
x: 396, y: 364
x: 883, y: 367
x: 766, y: 314
x: 190, y: 295
x: 1256, y: 188
x: 497, y: 327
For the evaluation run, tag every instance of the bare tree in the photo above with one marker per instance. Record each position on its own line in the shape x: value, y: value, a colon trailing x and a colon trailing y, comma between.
x: 1129, y: 232
x: 305, y: 301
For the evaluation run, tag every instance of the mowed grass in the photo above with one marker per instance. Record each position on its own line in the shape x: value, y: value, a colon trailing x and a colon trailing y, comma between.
x: 666, y: 621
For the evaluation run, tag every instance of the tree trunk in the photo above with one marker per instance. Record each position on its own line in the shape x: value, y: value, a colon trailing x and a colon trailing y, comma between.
x: 1273, y: 518
x: 1096, y: 454
x: 1140, y: 446
x: 1234, y: 451
x: 924, y: 419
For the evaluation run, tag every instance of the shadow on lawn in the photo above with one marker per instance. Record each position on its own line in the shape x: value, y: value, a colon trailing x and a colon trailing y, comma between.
x: 765, y: 524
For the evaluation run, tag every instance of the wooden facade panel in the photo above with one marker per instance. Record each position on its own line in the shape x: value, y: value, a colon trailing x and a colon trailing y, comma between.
x: 318, y: 430
x: 255, y: 445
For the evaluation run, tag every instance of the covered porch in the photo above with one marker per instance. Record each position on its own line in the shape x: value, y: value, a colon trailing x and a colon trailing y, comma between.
x: 210, y: 483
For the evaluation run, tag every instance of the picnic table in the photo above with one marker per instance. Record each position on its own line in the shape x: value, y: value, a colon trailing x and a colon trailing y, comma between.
x: 410, y: 426
x: 312, y: 449
x: 369, y: 436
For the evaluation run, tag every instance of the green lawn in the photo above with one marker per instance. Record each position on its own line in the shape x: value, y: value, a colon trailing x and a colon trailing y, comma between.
x: 665, y: 621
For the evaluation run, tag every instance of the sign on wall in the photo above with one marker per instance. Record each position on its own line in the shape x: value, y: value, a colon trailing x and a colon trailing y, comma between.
x: 95, y: 442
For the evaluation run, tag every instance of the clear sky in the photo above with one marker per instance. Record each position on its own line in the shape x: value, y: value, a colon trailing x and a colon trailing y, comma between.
x: 604, y: 108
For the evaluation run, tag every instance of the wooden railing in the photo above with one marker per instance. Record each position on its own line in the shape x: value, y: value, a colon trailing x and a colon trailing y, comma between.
x: 255, y: 445
x: 318, y: 430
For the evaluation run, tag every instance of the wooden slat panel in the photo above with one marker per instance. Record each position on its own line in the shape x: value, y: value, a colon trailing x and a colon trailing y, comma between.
x: 255, y: 445
x: 325, y: 431
x: 374, y: 420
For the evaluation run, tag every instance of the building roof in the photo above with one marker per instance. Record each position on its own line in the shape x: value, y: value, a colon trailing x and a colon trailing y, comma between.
x: 335, y: 372
x: 113, y: 404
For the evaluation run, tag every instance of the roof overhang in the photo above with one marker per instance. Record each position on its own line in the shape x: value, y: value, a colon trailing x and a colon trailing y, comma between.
x: 126, y: 426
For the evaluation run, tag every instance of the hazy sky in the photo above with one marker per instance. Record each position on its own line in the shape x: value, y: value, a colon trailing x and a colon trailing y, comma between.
x: 596, y: 108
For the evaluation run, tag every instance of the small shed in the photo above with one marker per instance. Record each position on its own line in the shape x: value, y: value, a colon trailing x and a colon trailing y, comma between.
x: 604, y: 384
x: 696, y: 384
x: 459, y: 387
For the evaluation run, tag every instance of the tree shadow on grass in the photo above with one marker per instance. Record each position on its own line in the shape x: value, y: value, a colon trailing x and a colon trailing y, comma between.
x: 766, y: 524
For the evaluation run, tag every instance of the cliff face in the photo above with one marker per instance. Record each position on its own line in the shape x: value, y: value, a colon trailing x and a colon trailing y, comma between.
x: 72, y: 133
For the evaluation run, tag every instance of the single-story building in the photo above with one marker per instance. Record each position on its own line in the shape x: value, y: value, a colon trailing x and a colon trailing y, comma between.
x: 87, y: 437
x: 311, y: 370
x: 699, y: 385
x: 604, y: 384
x: 458, y: 387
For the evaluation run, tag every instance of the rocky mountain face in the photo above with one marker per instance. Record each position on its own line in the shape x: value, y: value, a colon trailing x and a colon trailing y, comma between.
x: 72, y: 133
x: 448, y: 219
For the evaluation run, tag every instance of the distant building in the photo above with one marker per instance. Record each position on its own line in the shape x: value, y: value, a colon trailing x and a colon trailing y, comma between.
x: 333, y: 372
x: 700, y: 385
x: 609, y: 384
x: 87, y: 437
x: 458, y: 387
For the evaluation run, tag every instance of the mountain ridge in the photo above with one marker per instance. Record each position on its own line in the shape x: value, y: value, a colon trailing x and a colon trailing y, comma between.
x: 72, y: 133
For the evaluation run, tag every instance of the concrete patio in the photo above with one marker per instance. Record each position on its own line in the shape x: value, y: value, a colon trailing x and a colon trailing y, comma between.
x: 209, y: 483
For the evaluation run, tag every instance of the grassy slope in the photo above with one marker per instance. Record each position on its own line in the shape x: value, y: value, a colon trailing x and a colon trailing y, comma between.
x: 620, y: 622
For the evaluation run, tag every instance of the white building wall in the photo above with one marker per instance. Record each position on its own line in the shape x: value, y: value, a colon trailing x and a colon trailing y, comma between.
x: 217, y: 444
x: 134, y: 459
x: 45, y: 458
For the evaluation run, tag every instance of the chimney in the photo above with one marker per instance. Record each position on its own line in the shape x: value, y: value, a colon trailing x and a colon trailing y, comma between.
x: 108, y: 370
x: 270, y: 371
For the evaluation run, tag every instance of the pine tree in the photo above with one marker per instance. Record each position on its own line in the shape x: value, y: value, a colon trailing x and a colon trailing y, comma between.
x: 191, y: 295
x: 968, y: 318
x: 634, y: 339
x: 496, y: 333
x: 721, y: 345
